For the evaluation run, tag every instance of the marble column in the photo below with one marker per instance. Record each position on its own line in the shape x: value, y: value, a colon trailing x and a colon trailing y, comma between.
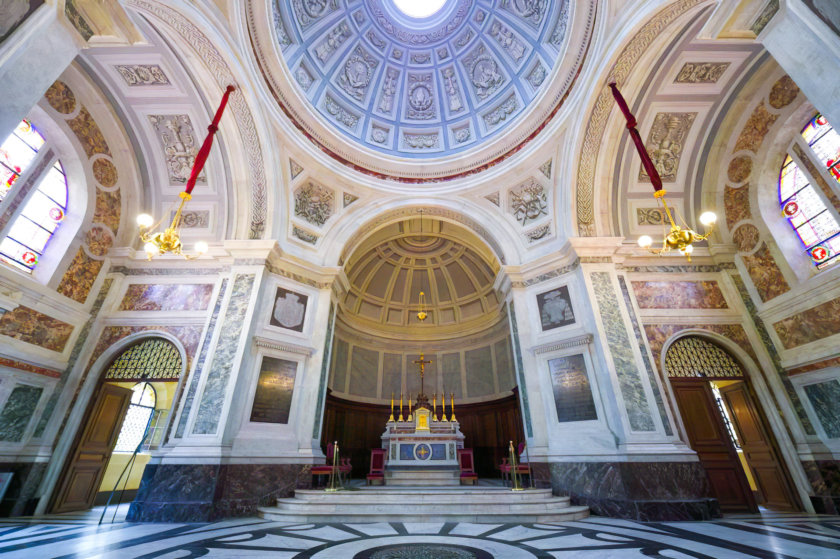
x: 797, y: 34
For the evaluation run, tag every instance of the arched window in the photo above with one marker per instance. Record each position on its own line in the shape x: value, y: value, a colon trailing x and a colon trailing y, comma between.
x: 808, y: 194
x: 43, y: 208
x: 137, y: 418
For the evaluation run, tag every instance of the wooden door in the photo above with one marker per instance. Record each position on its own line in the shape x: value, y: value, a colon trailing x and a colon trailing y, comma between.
x: 759, y: 450
x: 83, y: 474
x: 708, y: 438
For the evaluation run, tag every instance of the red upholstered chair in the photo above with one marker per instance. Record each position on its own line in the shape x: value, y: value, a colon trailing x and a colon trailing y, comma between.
x: 327, y: 468
x: 467, y: 465
x: 522, y: 469
x: 376, y: 476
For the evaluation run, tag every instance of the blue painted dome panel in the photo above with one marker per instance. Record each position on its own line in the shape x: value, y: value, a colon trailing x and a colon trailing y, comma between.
x: 426, y: 87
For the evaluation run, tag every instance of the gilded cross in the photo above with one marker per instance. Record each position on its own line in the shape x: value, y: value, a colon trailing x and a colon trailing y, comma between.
x: 422, y: 364
x: 422, y: 451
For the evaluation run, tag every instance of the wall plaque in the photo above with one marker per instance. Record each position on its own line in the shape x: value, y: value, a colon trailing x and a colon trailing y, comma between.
x: 555, y: 308
x: 572, y: 393
x: 289, y: 310
x: 275, y: 386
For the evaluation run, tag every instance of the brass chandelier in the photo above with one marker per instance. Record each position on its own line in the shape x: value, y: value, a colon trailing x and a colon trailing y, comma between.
x: 169, y: 240
x: 677, y: 237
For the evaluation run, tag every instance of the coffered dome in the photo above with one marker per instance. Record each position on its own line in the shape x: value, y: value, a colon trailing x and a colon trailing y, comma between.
x: 422, y: 88
x: 387, y: 274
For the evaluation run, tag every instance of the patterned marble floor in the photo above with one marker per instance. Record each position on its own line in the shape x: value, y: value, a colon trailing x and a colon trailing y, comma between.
x: 806, y: 537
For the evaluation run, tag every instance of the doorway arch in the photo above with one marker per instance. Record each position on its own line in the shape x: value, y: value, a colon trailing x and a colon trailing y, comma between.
x: 93, y: 467
x: 725, y: 423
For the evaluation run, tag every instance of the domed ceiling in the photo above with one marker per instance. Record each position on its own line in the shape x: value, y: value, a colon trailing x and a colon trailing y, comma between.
x: 388, y: 273
x: 427, y: 87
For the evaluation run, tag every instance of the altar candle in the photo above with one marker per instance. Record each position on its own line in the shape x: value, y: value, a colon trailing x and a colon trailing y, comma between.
x: 392, y: 408
x: 401, y: 406
x: 452, y: 406
x: 434, y: 406
x: 443, y: 406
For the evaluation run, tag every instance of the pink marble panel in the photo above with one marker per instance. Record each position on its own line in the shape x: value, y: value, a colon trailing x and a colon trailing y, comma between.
x: 679, y: 295
x: 33, y: 327
x: 765, y: 274
x: 809, y: 326
x: 79, y: 277
x: 166, y: 297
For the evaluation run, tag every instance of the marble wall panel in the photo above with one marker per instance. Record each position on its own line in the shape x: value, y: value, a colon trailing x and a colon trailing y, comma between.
x: 679, y: 295
x: 629, y: 377
x: 765, y: 274
x: 810, y: 325
x: 504, y: 365
x: 824, y: 364
x: 825, y: 399
x: 824, y: 477
x: 756, y: 128
x: 99, y: 240
x: 338, y: 375
x: 746, y: 237
x: 79, y: 277
x: 275, y: 387
x: 61, y: 98
x: 658, y: 334
x: 451, y: 367
x: 33, y: 327
x: 29, y: 368
x: 520, y: 369
x: 167, y: 297
x: 783, y: 93
x: 740, y: 168
x: 364, y: 369
x: 212, y: 399
x: 828, y: 11
x: 391, y: 375
x: 202, y: 357
x: 105, y: 173
x: 88, y: 133
x: 107, y: 209
x: 18, y: 411
x: 736, y: 202
x: 572, y: 393
x: 479, y: 365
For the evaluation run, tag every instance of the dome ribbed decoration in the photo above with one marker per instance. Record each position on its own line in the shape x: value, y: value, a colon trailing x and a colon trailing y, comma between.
x: 420, y: 88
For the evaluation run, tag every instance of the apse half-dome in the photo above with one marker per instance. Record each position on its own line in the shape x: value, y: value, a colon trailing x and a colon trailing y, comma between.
x: 427, y: 89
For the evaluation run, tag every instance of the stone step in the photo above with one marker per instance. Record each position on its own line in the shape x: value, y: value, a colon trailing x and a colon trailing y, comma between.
x: 426, y: 509
x: 422, y: 495
x: 564, y: 514
x: 422, y: 477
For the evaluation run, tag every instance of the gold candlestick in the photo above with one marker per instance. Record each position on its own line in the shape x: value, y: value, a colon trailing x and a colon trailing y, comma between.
x: 452, y: 406
x: 410, y: 418
x: 401, y: 415
x: 434, y: 406
x: 390, y: 419
x: 443, y: 405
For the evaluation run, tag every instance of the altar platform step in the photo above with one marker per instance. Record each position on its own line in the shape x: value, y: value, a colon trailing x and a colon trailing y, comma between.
x: 485, y: 505
x: 414, y: 477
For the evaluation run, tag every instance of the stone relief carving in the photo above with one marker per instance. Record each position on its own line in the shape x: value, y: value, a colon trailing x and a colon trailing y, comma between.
x: 453, y: 93
x: 528, y: 202
x: 666, y: 142
x: 443, y: 53
x: 493, y: 198
x: 421, y: 100
x: 421, y: 141
x: 500, y: 113
x: 397, y: 54
x: 295, y: 168
x: 378, y: 134
x: 334, y: 39
x: 314, y: 203
x: 536, y: 76
x: 545, y: 168
x: 540, y: 232
x: 283, y: 38
x: 303, y: 77
x: 464, y: 38
x: 389, y: 89
x: 341, y: 114
x: 304, y: 236
x: 421, y: 58
x: 559, y: 33
x: 508, y: 40
x: 357, y: 72
x: 359, y: 17
x: 701, y: 72
x: 309, y: 11
x: 142, y: 74
x: 349, y: 199
x: 462, y: 134
x: 426, y: 37
x: 649, y: 216
x: 177, y: 138
x: 197, y: 219
x: 484, y: 72
x: 376, y: 40
x: 531, y: 11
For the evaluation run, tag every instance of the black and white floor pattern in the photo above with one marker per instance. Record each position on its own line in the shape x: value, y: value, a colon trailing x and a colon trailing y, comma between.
x: 594, y: 538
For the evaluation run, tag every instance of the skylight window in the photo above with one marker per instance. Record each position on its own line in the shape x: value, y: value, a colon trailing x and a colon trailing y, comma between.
x: 419, y: 8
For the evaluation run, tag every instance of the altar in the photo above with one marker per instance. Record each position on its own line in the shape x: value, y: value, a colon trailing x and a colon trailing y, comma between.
x: 422, y: 442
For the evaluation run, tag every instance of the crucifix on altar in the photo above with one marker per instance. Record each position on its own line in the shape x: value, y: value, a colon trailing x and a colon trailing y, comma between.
x: 422, y: 399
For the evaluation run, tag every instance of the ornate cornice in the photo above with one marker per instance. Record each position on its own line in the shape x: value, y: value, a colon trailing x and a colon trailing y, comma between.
x: 596, y: 127
x: 219, y: 69
x: 585, y: 339
x: 283, y: 346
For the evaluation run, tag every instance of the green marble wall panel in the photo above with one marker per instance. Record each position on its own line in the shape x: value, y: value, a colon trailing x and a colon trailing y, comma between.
x: 18, y: 411
x: 213, y: 398
x: 364, y: 367
x: 621, y: 352
x: 520, y: 369
x: 391, y: 375
x: 825, y: 399
x: 451, y: 366
x: 322, y: 383
x: 479, y: 365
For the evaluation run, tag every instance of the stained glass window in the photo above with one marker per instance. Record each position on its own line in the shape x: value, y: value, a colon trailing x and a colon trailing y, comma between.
x: 814, y: 222
x: 43, y: 211
x: 137, y: 417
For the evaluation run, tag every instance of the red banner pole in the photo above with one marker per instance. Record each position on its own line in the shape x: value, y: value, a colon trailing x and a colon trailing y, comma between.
x: 650, y: 169
x: 204, y: 151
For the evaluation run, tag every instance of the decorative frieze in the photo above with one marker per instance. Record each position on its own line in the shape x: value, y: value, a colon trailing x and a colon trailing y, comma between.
x: 701, y: 72
x: 179, y: 143
x: 528, y: 202
x: 314, y: 203
x: 666, y: 142
x: 142, y: 74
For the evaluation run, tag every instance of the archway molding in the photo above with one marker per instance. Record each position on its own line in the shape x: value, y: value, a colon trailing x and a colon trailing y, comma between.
x: 772, y: 409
